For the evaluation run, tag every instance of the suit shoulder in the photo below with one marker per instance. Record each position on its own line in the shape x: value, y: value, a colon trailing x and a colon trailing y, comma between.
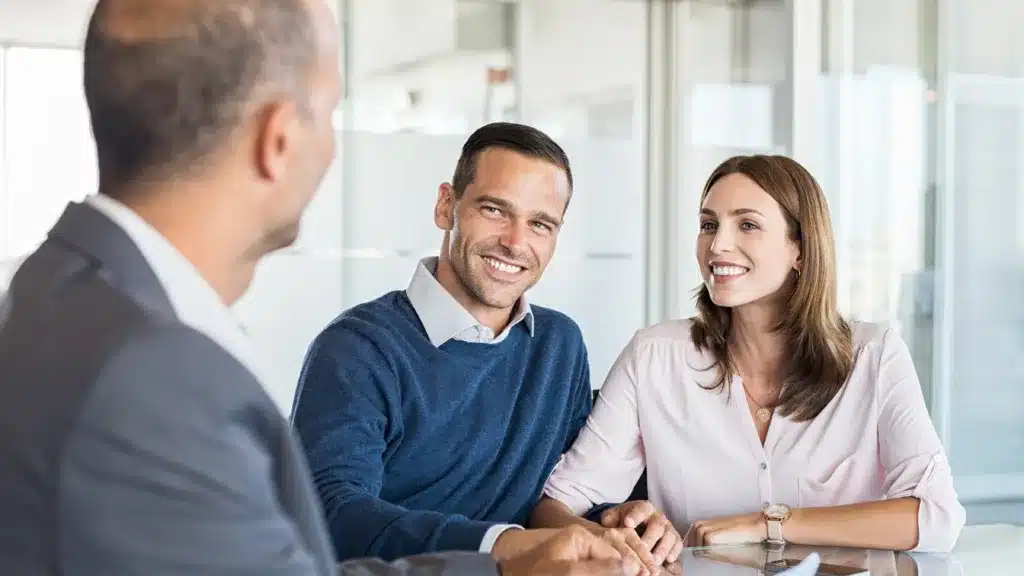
x: 171, y: 366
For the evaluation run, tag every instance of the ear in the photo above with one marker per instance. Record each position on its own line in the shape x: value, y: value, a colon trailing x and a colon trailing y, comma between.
x: 277, y: 140
x: 798, y: 256
x: 444, y: 209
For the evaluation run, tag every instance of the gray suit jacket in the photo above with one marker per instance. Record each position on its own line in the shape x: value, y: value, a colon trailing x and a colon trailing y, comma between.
x: 132, y: 444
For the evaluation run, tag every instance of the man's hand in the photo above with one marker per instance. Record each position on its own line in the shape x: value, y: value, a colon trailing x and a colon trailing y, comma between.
x: 515, y: 542
x: 573, y: 551
x: 630, y: 546
x: 743, y: 529
x: 660, y: 542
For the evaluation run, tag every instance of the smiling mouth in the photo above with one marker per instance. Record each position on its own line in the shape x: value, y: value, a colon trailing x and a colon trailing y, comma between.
x: 729, y: 271
x: 502, y: 266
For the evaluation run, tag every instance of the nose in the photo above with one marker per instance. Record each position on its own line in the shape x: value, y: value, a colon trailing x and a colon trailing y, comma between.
x: 724, y: 241
x: 513, y: 236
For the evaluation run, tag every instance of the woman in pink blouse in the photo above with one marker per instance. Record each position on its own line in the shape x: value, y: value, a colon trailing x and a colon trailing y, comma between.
x: 767, y: 417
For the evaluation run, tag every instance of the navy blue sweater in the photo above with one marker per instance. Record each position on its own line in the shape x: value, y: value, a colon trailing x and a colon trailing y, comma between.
x: 418, y: 449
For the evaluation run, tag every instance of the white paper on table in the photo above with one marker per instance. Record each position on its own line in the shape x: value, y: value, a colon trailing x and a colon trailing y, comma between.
x: 808, y: 567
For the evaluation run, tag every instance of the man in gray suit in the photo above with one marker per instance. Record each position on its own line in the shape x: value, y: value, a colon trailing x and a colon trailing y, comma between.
x: 135, y: 438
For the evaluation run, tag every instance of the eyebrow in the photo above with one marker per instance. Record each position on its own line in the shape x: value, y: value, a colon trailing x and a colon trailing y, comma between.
x: 509, y: 207
x: 736, y: 212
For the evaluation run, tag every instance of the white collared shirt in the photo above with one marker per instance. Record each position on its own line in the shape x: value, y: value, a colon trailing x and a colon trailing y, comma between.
x: 445, y: 319
x: 194, y: 301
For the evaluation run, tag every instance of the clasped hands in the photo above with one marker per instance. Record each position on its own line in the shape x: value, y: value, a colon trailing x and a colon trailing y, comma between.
x: 617, y: 546
x: 660, y: 544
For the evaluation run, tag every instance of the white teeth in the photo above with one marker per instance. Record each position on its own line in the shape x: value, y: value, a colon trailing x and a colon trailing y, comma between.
x: 729, y: 270
x: 502, y: 266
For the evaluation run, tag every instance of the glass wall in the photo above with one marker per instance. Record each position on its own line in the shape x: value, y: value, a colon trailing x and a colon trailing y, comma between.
x: 922, y: 126
x: 982, y: 255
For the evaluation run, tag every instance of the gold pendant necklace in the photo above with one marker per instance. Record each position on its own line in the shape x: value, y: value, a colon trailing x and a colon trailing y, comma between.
x: 762, y: 414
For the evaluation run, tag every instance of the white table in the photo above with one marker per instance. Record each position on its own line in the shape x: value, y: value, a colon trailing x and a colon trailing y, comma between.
x: 990, y: 550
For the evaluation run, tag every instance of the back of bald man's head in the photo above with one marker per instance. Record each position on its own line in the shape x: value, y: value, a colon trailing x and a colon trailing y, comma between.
x: 168, y: 82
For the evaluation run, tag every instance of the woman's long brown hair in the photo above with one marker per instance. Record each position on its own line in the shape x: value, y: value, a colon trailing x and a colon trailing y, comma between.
x: 818, y: 340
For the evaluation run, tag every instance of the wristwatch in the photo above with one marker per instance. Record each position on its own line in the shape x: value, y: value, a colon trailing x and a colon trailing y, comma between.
x: 775, y: 515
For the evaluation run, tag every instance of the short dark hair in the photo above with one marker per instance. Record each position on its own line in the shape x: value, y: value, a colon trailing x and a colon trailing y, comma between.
x: 519, y: 138
x: 161, y: 102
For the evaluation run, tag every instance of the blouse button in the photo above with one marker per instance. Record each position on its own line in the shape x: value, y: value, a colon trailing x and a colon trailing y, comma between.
x: 764, y: 466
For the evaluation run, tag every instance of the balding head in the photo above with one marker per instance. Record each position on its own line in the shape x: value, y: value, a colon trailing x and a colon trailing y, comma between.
x: 169, y: 82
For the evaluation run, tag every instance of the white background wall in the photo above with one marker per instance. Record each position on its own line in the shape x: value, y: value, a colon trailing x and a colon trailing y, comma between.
x: 49, y: 22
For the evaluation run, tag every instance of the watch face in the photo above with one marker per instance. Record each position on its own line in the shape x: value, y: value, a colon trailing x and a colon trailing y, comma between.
x: 777, y: 511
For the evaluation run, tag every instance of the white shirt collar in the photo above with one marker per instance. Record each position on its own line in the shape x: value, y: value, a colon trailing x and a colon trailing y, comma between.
x: 194, y: 301
x: 444, y: 318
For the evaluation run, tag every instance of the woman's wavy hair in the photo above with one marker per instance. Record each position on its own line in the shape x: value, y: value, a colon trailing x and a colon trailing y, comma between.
x: 819, y: 343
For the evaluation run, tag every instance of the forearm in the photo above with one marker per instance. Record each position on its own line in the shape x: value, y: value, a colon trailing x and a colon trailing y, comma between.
x: 362, y: 525
x: 550, y: 513
x: 886, y: 524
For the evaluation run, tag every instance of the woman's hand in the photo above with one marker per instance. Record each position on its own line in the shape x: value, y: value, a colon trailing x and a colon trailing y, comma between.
x: 743, y: 529
x: 660, y: 541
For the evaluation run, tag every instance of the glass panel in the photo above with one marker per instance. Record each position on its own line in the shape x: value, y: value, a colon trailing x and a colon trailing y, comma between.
x: 47, y: 122
x: 878, y: 94
x: 571, y: 68
x: 910, y: 228
x: 986, y: 95
x: 733, y: 65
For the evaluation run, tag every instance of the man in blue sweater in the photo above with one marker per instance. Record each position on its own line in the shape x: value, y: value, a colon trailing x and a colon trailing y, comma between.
x: 431, y: 417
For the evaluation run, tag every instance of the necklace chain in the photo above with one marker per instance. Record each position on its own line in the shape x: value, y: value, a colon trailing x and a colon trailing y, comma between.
x: 751, y: 396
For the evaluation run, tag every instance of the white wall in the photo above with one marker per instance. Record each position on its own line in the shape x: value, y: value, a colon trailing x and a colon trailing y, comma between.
x: 49, y: 22
x: 985, y: 35
x: 388, y: 34
x: 397, y: 50
x: 577, y: 48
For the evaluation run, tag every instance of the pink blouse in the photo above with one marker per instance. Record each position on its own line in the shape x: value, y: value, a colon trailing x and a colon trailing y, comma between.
x: 704, y: 459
